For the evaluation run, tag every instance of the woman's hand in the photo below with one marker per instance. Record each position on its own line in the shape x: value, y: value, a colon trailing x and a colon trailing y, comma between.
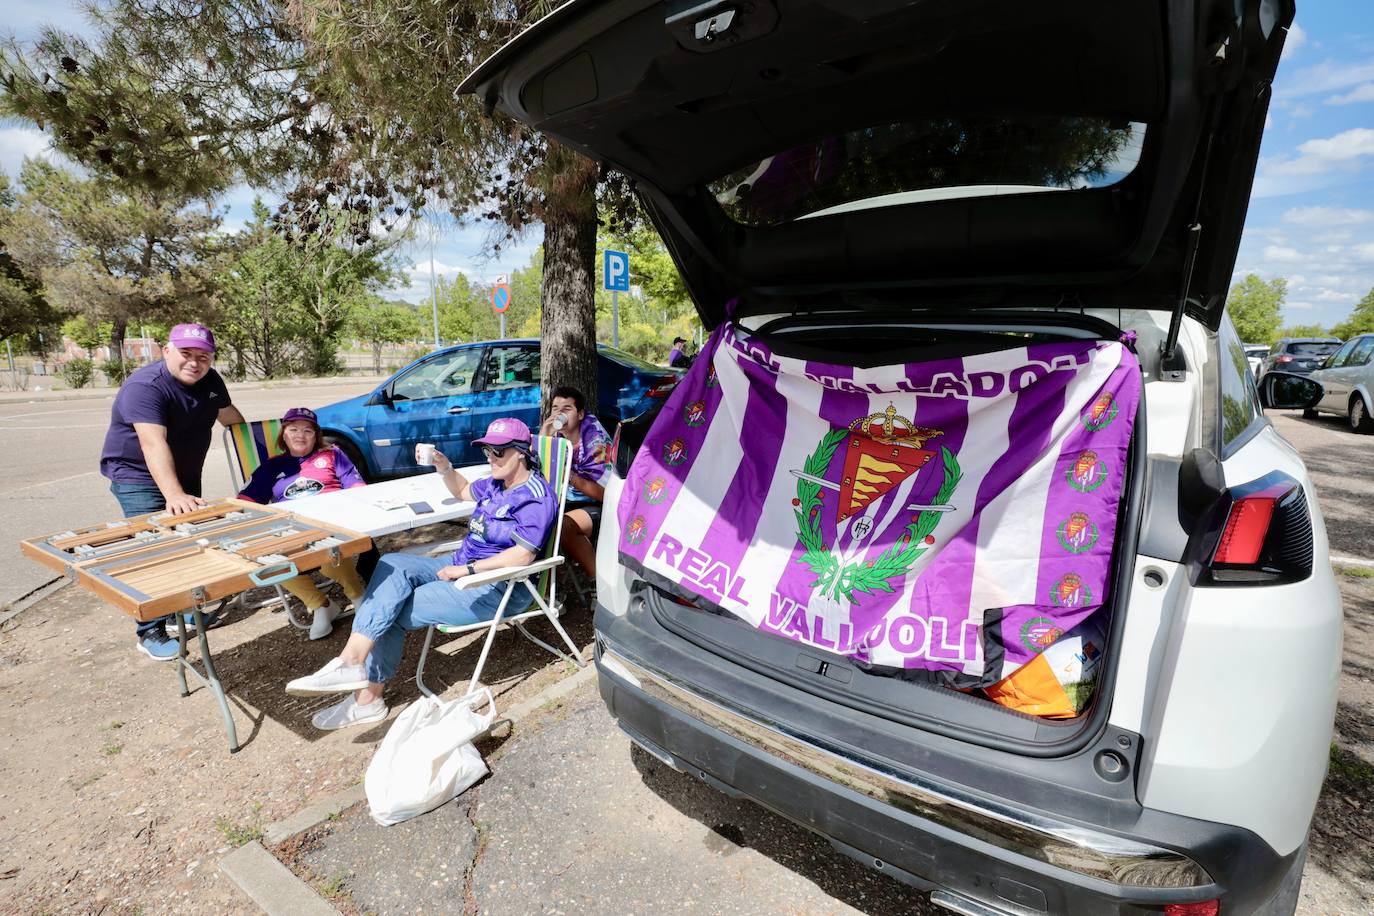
x: 451, y: 573
x: 441, y: 462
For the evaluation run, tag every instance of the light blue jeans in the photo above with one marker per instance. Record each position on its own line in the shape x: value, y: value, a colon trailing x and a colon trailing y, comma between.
x: 406, y: 593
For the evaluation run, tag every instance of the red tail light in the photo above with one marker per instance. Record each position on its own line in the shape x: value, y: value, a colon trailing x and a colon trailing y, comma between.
x: 1246, y: 526
x: 1284, y: 359
x: 662, y: 386
x: 1202, y: 908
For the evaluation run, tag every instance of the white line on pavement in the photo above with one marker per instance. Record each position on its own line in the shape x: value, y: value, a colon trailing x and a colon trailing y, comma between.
x: 47, y: 483
x: 1351, y: 561
x: 44, y: 413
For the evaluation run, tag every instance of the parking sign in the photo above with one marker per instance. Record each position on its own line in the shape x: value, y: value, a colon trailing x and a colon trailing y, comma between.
x: 616, y: 271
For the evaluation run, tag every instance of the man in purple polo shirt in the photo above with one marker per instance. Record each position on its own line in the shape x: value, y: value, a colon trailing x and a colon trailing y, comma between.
x: 158, y: 438
x: 509, y: 527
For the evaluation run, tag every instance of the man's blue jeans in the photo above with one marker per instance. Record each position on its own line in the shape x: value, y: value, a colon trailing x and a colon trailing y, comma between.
x: 406, y: 593
x: 140, y: 499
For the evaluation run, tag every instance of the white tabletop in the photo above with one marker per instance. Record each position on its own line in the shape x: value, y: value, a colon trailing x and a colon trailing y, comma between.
x: 364, y: 509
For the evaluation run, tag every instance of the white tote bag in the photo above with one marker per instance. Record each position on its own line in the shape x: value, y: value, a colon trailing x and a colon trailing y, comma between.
x: 427, y: 757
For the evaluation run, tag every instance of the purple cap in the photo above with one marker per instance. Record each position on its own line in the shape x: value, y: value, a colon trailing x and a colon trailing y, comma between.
x: 192, y: 336
x: 299, y: 413
x: 505, y: 431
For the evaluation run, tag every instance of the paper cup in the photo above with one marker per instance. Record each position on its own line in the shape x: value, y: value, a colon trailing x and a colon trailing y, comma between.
x: 424, y: 453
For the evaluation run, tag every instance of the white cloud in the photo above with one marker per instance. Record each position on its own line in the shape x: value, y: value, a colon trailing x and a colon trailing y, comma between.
x: 1315, y: 164
x: 1297, y: 37
x: 1364, y: 252
x: 16, y: 143
x: 1322, y: 217
x: 1324, y: 77
x: 1361, y: 93
x: 1299, y: 306
x: 1282, y: 254
x: 420, y: 271
x: 1331, y: 295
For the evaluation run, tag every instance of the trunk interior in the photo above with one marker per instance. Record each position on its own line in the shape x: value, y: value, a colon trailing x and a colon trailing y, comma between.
x: 915, y: 697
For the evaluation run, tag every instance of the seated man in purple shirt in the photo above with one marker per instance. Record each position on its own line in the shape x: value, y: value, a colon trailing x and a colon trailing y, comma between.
x: 591, y: 471
x: 510, y: 526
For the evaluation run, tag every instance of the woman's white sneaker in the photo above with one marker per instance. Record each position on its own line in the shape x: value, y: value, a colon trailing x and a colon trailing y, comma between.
x: 348, y: 713
x: 335, y: 677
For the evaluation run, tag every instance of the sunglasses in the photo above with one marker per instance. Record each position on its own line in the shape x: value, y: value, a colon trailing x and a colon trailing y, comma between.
x: 492, y: 451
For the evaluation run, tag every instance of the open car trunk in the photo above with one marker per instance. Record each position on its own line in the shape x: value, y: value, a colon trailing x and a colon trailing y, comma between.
x: 932, y: 524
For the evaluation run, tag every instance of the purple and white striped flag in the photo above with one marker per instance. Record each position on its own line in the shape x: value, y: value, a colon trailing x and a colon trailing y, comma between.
x: 954, y: 515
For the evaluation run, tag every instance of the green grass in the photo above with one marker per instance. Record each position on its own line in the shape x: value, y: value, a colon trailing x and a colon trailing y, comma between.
x: 1349, y: 766
x: 1356, y: 572
x: 238, y: 834
x: 333, y: 887
x: 111, y: 750
x: 116, y: 725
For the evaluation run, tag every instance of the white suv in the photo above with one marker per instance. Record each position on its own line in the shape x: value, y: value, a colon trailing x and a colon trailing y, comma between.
x: 863, y: 185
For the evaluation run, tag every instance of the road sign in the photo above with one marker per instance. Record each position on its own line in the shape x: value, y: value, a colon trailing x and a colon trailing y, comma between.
x: 500, y: 297
x: 616, y: 272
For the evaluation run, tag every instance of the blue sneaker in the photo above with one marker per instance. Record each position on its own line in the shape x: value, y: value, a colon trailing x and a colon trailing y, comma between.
x: 158, y: 647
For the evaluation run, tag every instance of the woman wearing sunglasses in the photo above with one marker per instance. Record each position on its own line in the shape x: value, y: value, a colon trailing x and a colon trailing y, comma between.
x: 514, y: 514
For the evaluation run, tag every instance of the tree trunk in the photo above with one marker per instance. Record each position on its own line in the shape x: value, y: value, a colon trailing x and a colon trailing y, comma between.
x: 567, y: 307
x: 118, y: 328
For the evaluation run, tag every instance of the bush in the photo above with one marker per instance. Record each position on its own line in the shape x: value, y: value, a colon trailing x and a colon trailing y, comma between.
x: 117, y: 370
x: 77, y: 372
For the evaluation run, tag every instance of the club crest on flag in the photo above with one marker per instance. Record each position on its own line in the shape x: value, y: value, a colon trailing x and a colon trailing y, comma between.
x: 1077, y: 533
x: 655, y: 491
x: 880, y: 452
x: 675, y: 452
x: 1101, y: 413
x: 694, y: 414
x: 711, y: 380
x: 1087, y: 473
x: 636, y: 530
x: 1070, y: 592
x: 1039, y: 633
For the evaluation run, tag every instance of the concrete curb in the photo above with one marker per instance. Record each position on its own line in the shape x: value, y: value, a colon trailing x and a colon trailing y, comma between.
x: 278, y: 890
x: 271, y: 884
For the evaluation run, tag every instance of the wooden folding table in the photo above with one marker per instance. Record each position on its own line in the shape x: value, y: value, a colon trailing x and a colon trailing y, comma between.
x: 153, y: 565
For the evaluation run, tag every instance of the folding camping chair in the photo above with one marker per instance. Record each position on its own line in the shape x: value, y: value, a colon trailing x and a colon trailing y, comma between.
x: 555, y: 460
x: 247, y: 446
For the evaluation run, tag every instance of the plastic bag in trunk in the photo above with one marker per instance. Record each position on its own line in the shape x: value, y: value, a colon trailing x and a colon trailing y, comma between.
x: 954, y: 515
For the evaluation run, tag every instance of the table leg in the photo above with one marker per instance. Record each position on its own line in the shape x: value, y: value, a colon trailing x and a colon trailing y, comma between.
x: 181, y: 654
x: 212, y: 680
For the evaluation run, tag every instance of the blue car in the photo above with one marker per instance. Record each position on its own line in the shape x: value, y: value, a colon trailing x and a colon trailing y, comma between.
x: 449, y: 397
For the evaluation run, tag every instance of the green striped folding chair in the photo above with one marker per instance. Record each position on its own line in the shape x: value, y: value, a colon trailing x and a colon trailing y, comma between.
x: 555, y: 462
x: 247, y: 445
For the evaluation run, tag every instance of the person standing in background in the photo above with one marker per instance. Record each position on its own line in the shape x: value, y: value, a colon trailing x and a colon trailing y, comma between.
x: 157, y: 441
x: 677, y: 357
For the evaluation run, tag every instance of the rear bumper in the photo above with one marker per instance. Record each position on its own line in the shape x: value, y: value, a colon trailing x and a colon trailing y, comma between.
x: 936, y: 836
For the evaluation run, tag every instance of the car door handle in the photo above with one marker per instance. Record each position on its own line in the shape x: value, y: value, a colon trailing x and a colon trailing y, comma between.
x: 458, y: 410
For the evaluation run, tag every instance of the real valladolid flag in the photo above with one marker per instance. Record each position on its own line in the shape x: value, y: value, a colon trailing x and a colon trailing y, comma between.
x: 955, y: 515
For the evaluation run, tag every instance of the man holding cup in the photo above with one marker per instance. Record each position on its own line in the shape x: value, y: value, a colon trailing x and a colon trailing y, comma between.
x: 591, y: 470
x: 157, y: 441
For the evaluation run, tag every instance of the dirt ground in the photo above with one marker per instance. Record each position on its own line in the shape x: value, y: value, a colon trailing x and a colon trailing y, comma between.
x: 120, y: 796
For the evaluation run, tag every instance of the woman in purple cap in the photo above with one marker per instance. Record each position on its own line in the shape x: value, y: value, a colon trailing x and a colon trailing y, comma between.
x: 308, y: 465
x: 514, y: 515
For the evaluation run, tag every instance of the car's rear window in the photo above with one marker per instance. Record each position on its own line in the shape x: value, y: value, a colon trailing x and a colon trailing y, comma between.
x: 1312, y: 349
x: 937, y: 158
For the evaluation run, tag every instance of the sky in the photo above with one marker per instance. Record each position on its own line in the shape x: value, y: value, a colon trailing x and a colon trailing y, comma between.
x: 1311, y: 216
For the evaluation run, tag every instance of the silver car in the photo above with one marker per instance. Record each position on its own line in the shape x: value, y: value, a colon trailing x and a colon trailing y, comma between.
x: 1347, y: 380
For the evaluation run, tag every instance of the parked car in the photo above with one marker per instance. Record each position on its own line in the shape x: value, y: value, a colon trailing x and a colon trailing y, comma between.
x: 852, y: 183
x: 449, y: 396
x: 1255, y: 354
x: 1347, y: 380
x: 1299, y: 355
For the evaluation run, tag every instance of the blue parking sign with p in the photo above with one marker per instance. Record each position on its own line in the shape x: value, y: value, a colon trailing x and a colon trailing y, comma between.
x: 616, y: 271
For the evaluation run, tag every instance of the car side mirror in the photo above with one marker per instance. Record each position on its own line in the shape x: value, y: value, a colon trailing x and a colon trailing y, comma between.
x: 456, y: 381
x: 381, y: 396
x: 1286, y: 391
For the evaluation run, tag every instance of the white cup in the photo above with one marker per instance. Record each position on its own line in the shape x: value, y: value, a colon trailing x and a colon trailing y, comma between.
x: 424, y: 453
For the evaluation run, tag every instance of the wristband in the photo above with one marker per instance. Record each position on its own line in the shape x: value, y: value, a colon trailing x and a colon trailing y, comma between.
x: 472, y: 570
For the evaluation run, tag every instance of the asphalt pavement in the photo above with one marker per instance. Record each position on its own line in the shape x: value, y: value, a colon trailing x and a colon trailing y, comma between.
x: 52, y: 476
x: 575, y: 819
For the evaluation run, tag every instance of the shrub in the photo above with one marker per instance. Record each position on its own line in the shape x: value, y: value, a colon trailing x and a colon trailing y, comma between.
x: 77, y: 372
x: 117, y: 370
